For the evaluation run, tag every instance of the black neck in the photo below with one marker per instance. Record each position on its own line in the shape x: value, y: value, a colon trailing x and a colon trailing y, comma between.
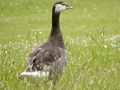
x: 56, y: 35
x: 55, y: 23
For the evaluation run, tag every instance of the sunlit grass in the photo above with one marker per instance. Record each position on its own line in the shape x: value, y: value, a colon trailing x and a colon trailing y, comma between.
x: 91, y: 32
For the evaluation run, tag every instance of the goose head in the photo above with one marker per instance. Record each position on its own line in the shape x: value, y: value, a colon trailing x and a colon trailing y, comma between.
x: 61, y: 6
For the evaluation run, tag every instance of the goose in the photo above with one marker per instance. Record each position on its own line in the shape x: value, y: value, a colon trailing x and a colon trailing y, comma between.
x: 50, y: 58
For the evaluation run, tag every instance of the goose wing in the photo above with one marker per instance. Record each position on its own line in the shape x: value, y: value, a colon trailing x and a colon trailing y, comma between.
x: 41, y: 57
x: 46, y: 61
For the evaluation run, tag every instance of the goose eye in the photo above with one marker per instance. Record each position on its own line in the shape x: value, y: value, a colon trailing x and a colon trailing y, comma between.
x: 63, y: 4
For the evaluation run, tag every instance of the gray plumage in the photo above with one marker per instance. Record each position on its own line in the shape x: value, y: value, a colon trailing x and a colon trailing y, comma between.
x: 50, y: 57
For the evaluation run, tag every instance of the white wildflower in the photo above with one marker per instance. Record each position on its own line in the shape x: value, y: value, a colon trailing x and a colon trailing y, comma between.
x: 38, y: 10
x: 95, y: 8
x: 30, y: 6
x: 37, y: 7
x: 16, y: 3
x: 105, y: 46
x: 74, y: 1
x: 85, y: 66
x: 40, y: 32
x: 5, y: 51
x: 85, y: 9
x: 33, y: 38
x: 84, y: 41
x: 20, y: 50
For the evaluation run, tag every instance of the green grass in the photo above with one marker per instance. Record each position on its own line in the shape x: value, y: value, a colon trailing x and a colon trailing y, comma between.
x: 91, y: 33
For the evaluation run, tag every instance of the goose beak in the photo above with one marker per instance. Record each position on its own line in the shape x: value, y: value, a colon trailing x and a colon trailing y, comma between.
x: 70, y: 7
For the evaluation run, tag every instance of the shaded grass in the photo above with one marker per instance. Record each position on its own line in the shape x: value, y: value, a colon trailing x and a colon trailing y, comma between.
x: 91, y: 32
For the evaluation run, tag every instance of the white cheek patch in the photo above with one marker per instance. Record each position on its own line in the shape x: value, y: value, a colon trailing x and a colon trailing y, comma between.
x: 60, y: 8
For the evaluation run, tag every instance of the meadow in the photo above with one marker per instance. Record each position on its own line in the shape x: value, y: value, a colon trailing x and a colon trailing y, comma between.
x: 91, y: 33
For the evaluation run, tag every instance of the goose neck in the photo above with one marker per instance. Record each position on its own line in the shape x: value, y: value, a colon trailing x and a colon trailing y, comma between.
x: 55, y: 20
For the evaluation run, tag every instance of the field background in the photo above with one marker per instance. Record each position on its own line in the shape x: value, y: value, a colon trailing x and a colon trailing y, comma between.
x: 91, y: 33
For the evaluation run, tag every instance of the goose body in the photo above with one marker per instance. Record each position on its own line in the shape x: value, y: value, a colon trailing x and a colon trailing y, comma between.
x: 50, y: 58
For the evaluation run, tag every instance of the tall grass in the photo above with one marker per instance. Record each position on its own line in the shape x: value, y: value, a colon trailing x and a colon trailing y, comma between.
x: 91, y: 33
